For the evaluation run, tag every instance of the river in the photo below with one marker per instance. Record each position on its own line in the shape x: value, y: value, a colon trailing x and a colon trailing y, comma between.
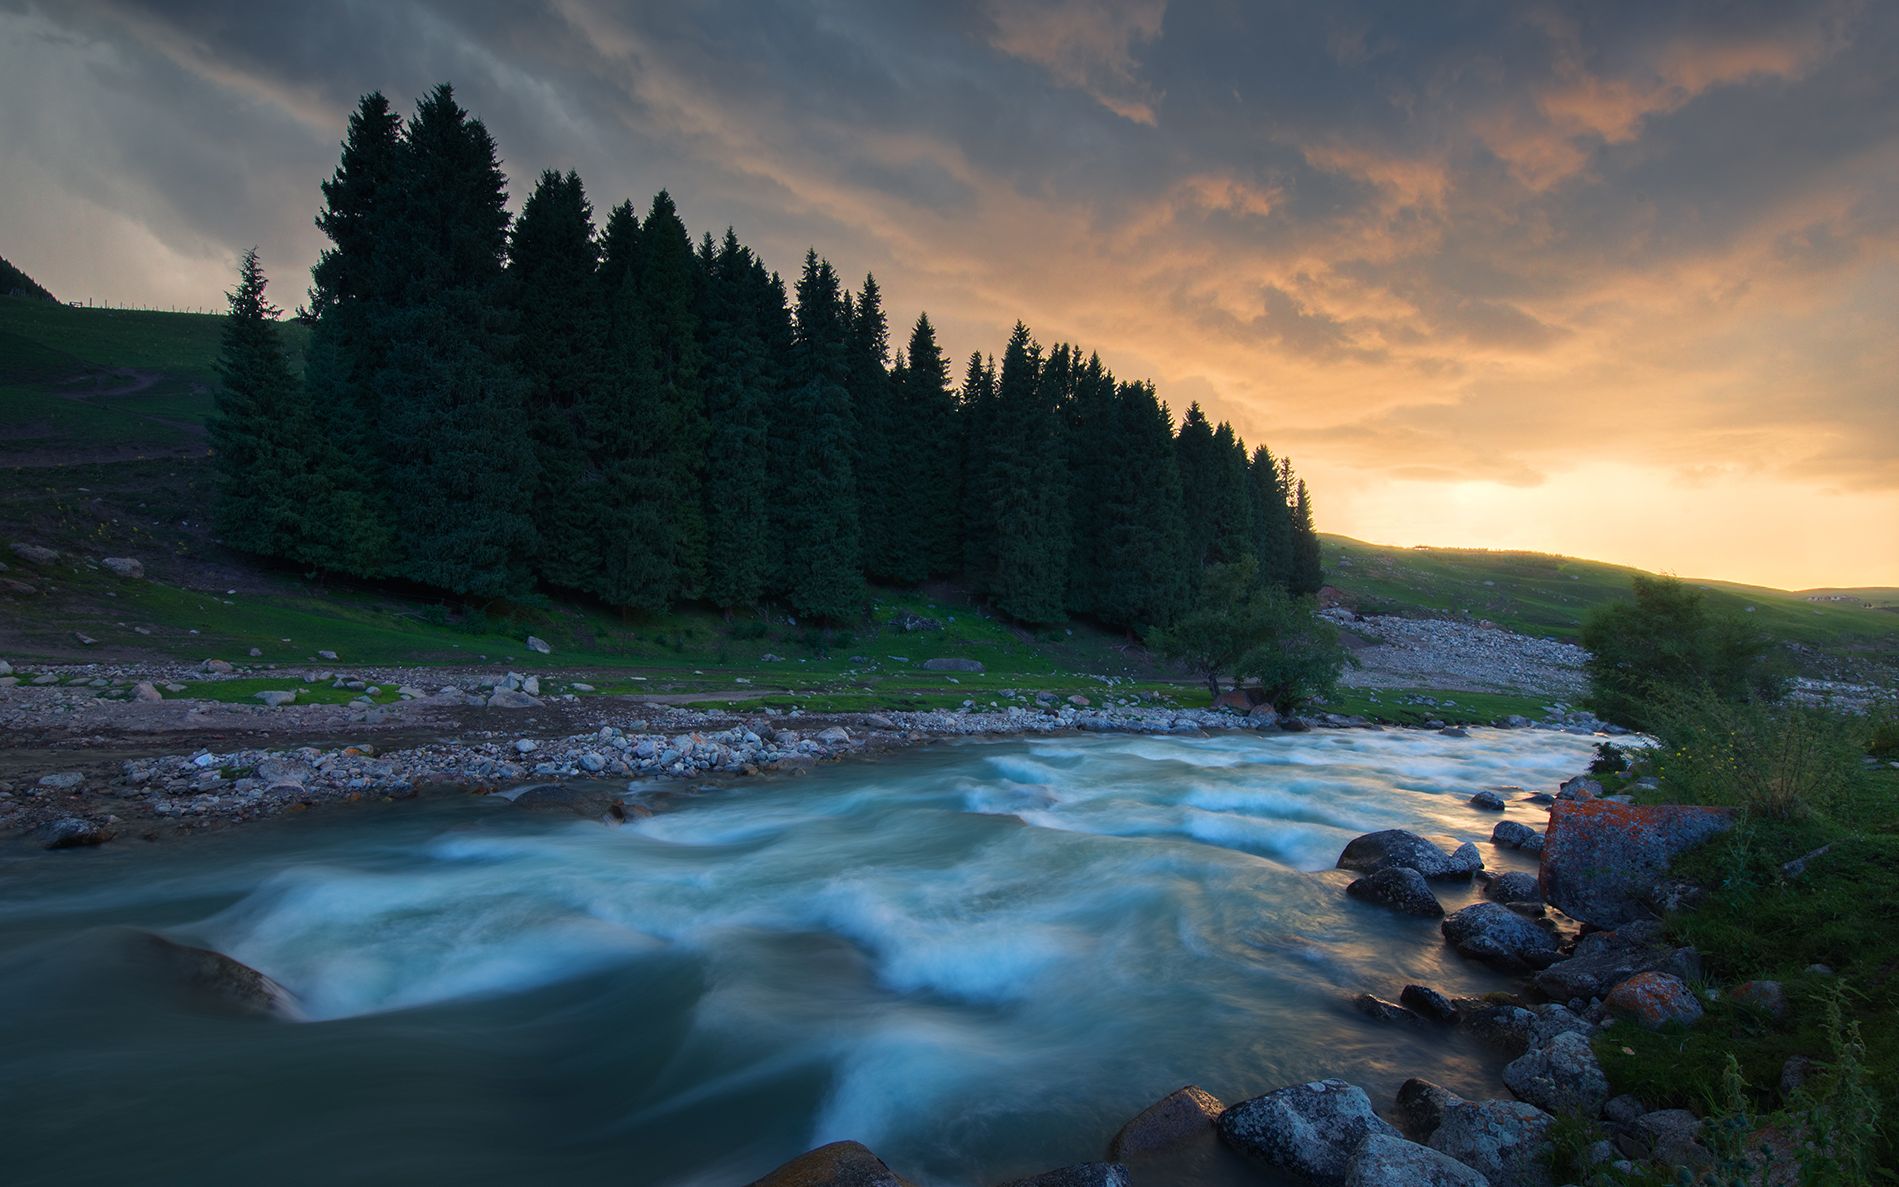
x: 978, y: 958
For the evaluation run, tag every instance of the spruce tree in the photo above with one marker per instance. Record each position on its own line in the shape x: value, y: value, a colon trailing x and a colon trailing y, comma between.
x: 928, y: 448
x: 559, y: 349
x: 816, y: 441
x: 669, y: 282
x: 1094, y: 463
x: 1308, y: 573
x: 257, y: 434
x: 1272, y: 519
x: 889, y: 552
x: 1028, y: 479
x: 738, y: 402
x: 980, y: 492
x: 1143, y: 576
x: 348, y: 524
x: 459, y: 462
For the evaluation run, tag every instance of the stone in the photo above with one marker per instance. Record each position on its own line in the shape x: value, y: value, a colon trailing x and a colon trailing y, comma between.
x: 908, y: 620
x: 1602, y: 860
x: 1385, y: 1160
x: 1400, y: 888
x: 1794, y: 1075
x: 1380, y: 1010
x: 1671, y: 1137
x: 62, y: 780
x: 33, y: 554
x: 1602, y: 960
x: 1513, y: 835
x: 1500, y: 937
x: 1309, y: 1130
x: 1262, y: 716
x: 123, y: 566
x: 1513, y: 887
x: 213, y: 979
x: 1579, y: 787
x: 1507, y: 1141
x: 1488, y: 800
x: 1655, y: 1000
x: 513, y: 698
x: 592, y: 763
x: 1428, y: 1003
x: 1559, y: 1076
x: 835, y: 735
x: 72, y: 832
x: 840, y: 1164
x: 1769, y: 997
x: 1079, y: 701
x: 1086, y: 1174
x: 84, y: 638
x: 526, y: 746
x: 329, y: 655
x: 216, y: 667
x: 146, y: 692
x: 952, y: 664
x: 1182, y: 1115
x: 877, y: 721
x: 1396, y: 847
x: 1421, y: 1105
x: 538, y: 645
x: 591, y: 802
x: 276, y: 697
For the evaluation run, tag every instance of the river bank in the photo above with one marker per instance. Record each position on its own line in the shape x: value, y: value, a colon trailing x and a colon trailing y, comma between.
x: 99, y: 753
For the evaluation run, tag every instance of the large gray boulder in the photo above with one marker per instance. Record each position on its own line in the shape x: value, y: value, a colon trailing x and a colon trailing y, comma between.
x: 123, y: 566
x: 1602, y: 960
x: 513, y: 698
x: 1180, y: 1116
x: 1421, y: 1106
x: 1505, y: 1140
x: 952, y: 664
x: 1512, y: 834
x: 1308, y: 1130
x: 840, y: 1164
x: 1513, y: 887
x: 1396, y: 847
x: 1401, y: 888
x: 1385, y: 1161
x: 1602, y: 859
x: 72, y: 832
x: 1560, y: 1076
x: 1498, y: 936
x: 221, y: 982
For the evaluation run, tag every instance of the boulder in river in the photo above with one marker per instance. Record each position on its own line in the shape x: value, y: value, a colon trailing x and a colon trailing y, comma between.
x: 72, y: 832
x: 1602, y: 960
x: 1085, y: 1174
x: 1384, y: 1160
x: 1421, y: 1105
x: 840, y: 1164
x: 222, y: 982
x: 1602, y: 860
x: 591, y: 800
x: 1514, y: 835
x: 1182, y: 1115
x: 1308, y: 1130
x: 1396, y: 847
x: 1493, y: 933
x: 1428, y: 1003
x: 1400, y: 888
x: 1488, y: 800
x: 1379, y: 1010
x: 1513, y: 887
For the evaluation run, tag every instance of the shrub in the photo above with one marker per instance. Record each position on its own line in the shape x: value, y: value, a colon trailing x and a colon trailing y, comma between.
x: 1668, y: 641
x: 1778, y: 761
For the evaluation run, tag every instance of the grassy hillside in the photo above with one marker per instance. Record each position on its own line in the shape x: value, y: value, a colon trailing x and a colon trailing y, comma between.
x: 1548, y: 595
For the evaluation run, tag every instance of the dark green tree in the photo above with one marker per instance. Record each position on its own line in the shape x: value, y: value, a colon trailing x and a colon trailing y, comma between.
x: 1308, y: 572
x: 928, y: 447
x: 669, y: 281
x: 816, y: 441
x: 560, y: 351
x: 348, y: 523
x: 1142, y: 571
x: 1669, y: 642
x: 1213, y: 476
x: 257, y: 434
x: 1241, y: 626
x: 740, y: 388
x: 889, y: 548
x: 1096, y: 465
x: 458, y: 460
x: 1029, y: 483
x: 981, y: 495
x: 1271, y: 519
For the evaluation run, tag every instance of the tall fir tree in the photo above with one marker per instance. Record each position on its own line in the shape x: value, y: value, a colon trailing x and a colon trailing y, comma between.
x: 669, y: 281
x: 560, y: 351
x: 1028, y: 479
x: 888, y: 549
x: 348, y: 524
x: 739, y: 392
x: 1145, y: 577
x: 1094, y: 459
x: 1272, y: 519
x: 816, y: 441
x: 457, y: 459
x: 929, y: 448
x: 1308, y: 572
x: 257, y: 430
x: 977, y: 412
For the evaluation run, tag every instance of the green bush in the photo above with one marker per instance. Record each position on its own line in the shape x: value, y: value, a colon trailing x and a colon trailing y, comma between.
x: 1882, y: 731
x: 1773, y: 760
x: 1666, y: 642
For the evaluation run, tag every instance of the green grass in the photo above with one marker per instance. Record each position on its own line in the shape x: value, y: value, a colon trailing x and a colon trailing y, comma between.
x: 243, y: 690
x: 1757, y: 924
x: 42, y: 337
x: 1540, y: 594
x: 1401, y: 706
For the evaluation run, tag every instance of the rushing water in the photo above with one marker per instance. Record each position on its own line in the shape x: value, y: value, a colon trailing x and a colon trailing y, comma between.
x: 978, y: 959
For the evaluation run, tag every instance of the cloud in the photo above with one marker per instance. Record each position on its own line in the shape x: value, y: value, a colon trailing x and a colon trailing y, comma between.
x: 1460, y: 247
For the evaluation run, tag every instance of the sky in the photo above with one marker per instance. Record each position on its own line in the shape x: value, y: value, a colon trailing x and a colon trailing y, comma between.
x: 1614, y: 280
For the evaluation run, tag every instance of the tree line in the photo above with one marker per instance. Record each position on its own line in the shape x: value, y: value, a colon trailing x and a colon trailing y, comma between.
x: 490, y: 405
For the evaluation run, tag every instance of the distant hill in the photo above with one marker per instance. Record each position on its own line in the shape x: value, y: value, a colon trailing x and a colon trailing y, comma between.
x: 1541, y: 594
x: 15, y: 283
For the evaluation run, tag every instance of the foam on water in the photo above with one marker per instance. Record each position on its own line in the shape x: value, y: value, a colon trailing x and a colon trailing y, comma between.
x: 1030, y: 938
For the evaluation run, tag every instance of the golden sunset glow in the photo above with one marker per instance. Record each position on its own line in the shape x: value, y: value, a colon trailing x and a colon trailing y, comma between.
x: 1516, y: 277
